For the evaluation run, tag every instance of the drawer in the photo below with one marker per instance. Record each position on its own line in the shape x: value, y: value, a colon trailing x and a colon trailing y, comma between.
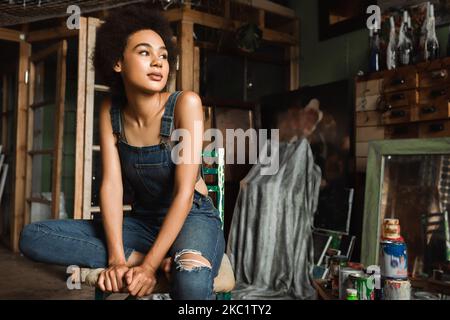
x: 401, y: 98
x: 433, y: 77
x: 369, y: 103
x: 435, y: 111
x: 361, y: 149
x: 368, y: 88
x: 402, y: 131
x: 402, y: 79
x: 396, y: 115
x: 430, y: 95
x: 365, y: 134
x: 368, y: 119
x: 434, y: 129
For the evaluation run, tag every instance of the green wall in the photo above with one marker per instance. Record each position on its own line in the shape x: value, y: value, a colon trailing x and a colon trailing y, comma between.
x: 336, y: 58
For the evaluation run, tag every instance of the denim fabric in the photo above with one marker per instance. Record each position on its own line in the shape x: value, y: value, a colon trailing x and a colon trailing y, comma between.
x: 149, y: 171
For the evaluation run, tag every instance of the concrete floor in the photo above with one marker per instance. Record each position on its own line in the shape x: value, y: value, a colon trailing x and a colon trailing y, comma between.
x: 21, y: 278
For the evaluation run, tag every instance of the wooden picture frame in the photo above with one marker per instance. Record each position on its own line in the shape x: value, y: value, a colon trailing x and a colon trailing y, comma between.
x: 378, y: 151
x: 341, y: 16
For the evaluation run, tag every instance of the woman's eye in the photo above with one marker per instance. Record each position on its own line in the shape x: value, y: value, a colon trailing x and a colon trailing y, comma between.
x: 164, y: 56
x: 146, y: 53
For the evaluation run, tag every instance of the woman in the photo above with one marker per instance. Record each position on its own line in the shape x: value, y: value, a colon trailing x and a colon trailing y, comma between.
x: 173, y: 218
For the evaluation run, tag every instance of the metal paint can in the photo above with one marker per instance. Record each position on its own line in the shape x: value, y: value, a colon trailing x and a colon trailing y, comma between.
x: 345, y: 282
x: 336, y: 263
x: 393, y: 260
x: 365, y: 285
x: 399, y: 289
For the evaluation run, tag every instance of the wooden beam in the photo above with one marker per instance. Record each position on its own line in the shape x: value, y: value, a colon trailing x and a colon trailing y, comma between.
x: 5, y: 113
x: 18, y: 199
x: 11, y: 35
x: 59, y: 127
x: 92, y: 24
x: 51, y: 34
x: 186, y: 44
x: 39, y: 200
x: 261, y: 19
x: 196, y: 74
x: 226, y: 9
x: 81, y: 107
x: 294, y: 52
x: 216, y: 22
x: 30, y: 135
x: 269, y: 6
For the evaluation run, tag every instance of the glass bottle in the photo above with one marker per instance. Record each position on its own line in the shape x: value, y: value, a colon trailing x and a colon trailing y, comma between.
x: 374, y: 59
x: 391, y: 56
x: 431, y: 43
x: 405, y: 46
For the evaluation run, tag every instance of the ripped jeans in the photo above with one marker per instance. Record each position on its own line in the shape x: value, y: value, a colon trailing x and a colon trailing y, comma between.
x: 82, y: 243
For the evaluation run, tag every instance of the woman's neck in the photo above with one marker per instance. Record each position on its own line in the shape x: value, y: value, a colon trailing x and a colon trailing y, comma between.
x: 142, y: 108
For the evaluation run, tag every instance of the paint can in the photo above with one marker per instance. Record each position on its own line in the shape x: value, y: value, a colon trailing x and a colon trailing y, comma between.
x: 375, y: 271
x: 336, y: 262
x: 365, y: 285
x: 393, y: 260
x: 397, y: 289
x: 344, y: 281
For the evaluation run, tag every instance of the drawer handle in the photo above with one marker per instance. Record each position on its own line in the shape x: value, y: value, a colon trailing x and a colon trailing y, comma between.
x: 398, y: 113
x: 436, y: 127
x: 437, y: 93
x: 441, y: 74
x: 398, y: 81
x: 398, y: 96
x: 428, y: 110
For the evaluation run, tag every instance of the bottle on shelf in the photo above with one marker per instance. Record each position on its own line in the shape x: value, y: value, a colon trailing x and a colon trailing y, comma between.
x: 405, y: 45
x: 431, y: 42
x: 374, y: 44
x: 391, y: 52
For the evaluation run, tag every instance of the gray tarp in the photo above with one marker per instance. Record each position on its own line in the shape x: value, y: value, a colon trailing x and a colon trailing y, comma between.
x: 270, y: 239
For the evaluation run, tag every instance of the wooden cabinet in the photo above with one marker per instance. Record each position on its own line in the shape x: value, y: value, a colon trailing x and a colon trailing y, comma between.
x: 409, y: 102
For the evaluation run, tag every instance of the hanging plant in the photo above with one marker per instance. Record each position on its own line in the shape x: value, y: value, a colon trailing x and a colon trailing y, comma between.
x: 248, y: 37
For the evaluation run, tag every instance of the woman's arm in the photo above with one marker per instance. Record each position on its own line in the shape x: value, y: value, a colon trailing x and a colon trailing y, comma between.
x: 111, y: 189
x: 189, y: 116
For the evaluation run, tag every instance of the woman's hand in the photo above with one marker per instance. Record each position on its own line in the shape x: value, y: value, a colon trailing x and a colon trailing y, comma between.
x: 141, y: 280
x: 111, y: 279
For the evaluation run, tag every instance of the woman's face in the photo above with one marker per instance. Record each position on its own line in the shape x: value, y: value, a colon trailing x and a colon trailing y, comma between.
x: 145, y: 64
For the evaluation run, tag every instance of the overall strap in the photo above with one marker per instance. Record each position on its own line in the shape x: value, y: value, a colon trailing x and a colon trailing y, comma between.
x: 115, y: 117
x: 167, y: 118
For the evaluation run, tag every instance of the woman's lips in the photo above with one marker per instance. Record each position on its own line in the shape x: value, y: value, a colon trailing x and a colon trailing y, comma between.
x: 155, y: 77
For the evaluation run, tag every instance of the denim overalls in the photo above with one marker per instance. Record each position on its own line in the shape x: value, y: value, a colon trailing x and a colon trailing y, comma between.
x: 149, y: 172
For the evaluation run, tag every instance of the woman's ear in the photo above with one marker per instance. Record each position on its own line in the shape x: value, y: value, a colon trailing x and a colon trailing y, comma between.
x: 118, y: 66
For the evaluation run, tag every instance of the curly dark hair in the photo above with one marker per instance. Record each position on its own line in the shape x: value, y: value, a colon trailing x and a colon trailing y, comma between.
x: 112, y: 37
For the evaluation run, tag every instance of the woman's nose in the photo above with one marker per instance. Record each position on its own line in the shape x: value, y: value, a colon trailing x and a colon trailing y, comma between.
x: 156, y: 62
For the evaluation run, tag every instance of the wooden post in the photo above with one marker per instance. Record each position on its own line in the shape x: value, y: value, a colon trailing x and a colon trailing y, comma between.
x: 196, y: 77
x: 294, y: 51
x: 80, y: 125
x: 18, y: 205
x: 186, y: 44
x: 59, y: 128
x: 30, y: 133
x: 89, y: 119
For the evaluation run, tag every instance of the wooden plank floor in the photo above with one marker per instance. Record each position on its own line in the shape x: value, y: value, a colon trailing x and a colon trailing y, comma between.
x: 21, y: 278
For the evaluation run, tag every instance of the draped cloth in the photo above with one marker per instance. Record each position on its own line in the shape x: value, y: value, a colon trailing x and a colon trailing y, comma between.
x: 270, y: 240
